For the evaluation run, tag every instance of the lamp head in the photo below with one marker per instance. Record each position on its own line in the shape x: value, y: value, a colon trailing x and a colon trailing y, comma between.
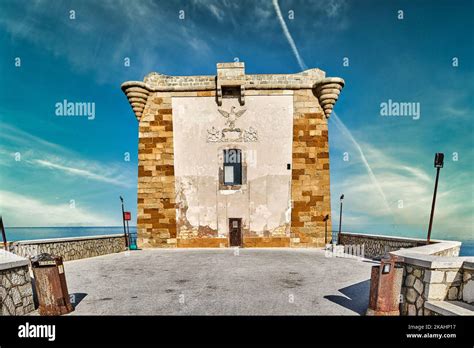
x: 342, y: 197
x: 439, y: 160
x: 326, y: 218
x: 121, y: 199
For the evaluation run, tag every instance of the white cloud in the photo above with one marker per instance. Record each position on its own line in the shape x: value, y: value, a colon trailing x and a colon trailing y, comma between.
x: 361, y: 154
x: 333, y: 8
x: 82, y: 173
x: 40, y: 153
x: 28, y: 211
x: 105, y: 32
x: 22, y: 138
x: 217, y: 12
x: 48, y: 173
x: 408, y: 190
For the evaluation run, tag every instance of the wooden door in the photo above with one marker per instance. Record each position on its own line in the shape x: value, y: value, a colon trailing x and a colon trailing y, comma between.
x: 235, y: 232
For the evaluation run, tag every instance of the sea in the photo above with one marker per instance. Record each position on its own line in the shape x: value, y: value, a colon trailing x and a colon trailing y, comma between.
x: 31, y: 233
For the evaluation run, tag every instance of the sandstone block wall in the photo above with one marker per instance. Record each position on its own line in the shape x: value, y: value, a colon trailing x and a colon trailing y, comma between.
x: 310, y: 186
x: 156, y: 213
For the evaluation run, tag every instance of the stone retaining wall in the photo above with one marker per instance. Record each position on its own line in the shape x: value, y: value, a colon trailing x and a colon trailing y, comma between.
x: 376, y: 246
x: 16, y: 292
x: 70, y: 248
x: 467, y: 286
x: 422, y: 284
x: 432, y: 273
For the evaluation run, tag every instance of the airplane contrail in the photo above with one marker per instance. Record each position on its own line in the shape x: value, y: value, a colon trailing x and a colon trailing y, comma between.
x: 288, y: 36
x: 339, y: 124
x: 343, y: 129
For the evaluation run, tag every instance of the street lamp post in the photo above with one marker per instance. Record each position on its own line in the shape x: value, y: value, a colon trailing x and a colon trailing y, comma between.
x: 326, y: 218
x: 438, y: 163
x: 123, y: 220
x: 340, y: 217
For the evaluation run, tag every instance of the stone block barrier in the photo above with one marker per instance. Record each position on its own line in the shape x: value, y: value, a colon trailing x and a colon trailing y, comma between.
x: 72, y: 248
x: 376, y: 246
x: 16, y: 292
x: 432, y: 283
x: 436, y: 281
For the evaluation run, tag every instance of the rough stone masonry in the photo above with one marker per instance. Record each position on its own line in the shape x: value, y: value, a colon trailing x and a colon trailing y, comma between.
x: 233, y: 159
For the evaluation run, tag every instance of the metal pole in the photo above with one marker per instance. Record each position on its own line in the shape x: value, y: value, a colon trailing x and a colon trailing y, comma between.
x: 123, y: 220
x: 433, y: 205
x: 128, y: 234
x: 325, y: 231
x: 3, y: 234
x: 340, y: 221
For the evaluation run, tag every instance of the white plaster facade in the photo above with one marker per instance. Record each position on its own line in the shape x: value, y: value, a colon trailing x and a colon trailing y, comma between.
x: 263, y: 201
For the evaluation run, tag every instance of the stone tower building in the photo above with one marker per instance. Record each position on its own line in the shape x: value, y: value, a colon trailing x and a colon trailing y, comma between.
x: 233, y: 159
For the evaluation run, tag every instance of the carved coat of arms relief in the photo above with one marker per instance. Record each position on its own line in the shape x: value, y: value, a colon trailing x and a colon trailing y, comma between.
x: 231, y: 132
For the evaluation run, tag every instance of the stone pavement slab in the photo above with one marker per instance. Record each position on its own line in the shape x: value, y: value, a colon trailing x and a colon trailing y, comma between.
x: 271, y: 281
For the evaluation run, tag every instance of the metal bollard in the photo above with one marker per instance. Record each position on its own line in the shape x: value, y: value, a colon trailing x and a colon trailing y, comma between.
x: 385, y: 287
x: 50, y: 285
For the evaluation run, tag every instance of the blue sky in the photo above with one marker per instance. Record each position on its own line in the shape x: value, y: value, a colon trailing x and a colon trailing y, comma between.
x: 72, y: 170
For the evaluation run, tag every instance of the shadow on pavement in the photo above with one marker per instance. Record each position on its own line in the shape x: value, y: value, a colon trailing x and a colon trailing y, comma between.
x: 356, y: 297
x: 76, y: 298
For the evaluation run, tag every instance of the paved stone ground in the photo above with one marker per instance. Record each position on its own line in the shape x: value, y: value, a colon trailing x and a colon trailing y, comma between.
x: 218, y: 282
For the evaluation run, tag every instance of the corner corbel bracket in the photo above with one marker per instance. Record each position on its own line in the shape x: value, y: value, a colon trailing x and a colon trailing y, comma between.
x: 327, y: 91
x: 137, y: 94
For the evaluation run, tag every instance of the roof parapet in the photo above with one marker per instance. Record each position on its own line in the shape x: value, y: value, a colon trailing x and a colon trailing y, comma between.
x: 326, y: 89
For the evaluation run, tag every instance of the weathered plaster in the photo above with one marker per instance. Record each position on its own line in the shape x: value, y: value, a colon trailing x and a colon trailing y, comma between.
x: 263, y: 199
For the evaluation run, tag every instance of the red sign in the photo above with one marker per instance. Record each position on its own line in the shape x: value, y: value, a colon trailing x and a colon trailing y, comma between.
x: 127, y: 215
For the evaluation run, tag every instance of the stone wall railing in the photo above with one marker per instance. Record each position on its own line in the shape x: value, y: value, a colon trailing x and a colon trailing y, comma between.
x: 376, y: 246
x: 433, y: 273
x: 16, y: 292
x: 467, y: 286
x: 73, y: 248
x: 436, y: 273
